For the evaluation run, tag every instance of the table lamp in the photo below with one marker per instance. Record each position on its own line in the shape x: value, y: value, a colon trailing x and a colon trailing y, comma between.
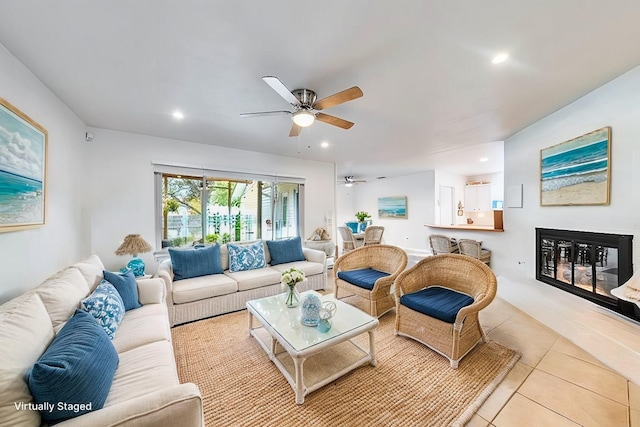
x: 133, y: 245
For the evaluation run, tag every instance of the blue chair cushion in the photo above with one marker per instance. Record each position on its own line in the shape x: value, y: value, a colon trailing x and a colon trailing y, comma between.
x: 77, y: 368
x: 246, y: 257
x: 438, y: 302
x: 106, y: 306
x: 126, y: 285
x: 284, y: 251
x: 195, y: 262
x: 364, y: 277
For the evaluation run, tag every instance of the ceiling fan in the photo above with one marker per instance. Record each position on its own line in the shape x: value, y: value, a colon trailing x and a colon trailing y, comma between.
x: 306, y: 108
x: 349, y: 181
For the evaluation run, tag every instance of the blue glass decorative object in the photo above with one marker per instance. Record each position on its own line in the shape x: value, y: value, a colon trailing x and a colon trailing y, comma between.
x: 353, y: 225
x: 310, y: 310
x: 137, y: 266
x: 326, y: 312
x: 324, y: 325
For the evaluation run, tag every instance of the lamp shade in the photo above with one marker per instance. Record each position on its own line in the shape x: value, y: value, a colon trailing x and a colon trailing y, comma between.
x: 304, y: 118
x: 133, y: 245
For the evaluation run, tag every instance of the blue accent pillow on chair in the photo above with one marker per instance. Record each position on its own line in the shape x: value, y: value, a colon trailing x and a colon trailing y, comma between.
x: 196, y: 262
x: 77, y: 367
x: 284, y: 251
x: 438, y: 302
x: 246, y: 257
x: 364, y: 277
x: 106, y: 306
x: 126, y: 285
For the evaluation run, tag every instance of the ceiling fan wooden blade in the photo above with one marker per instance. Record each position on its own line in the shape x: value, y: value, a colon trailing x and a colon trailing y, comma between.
x: 332, y: 120
x: 295, y: 130
x: 282, y: 90
x: 338, y: 98
x: 264, y: 113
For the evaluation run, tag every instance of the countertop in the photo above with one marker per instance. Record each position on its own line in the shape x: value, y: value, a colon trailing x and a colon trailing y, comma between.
x: 467, y: 227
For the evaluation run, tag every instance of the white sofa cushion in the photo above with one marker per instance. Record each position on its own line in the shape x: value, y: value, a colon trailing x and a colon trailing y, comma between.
x: 61, y: 295
x: 308, y: 268
x: 202, y: 287
x: 142, y: 326
x: 143, y: 370
x: 150, y: 291
x: 251, y: 279
x: 91, y: 269
x: 25, y: 324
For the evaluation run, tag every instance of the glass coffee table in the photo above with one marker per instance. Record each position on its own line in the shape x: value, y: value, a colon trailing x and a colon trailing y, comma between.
x: 328, y: 355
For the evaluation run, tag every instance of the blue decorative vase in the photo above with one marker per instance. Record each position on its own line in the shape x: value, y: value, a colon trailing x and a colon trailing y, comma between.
x: 310, y: 310
x: 324, y: 325
x: 353, y: 225
x: 137, y: 266
x: 362, y: 226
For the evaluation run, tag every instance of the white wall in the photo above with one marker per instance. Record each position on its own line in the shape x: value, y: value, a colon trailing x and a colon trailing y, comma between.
x: 121, y: 191
x: 407, y: 233
x: 28, y: 257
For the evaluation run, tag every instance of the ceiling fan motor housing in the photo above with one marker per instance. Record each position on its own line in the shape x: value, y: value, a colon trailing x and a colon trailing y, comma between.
x: 305, y: 96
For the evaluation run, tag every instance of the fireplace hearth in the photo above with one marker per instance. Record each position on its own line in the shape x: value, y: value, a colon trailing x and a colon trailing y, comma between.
x: 586, y: 264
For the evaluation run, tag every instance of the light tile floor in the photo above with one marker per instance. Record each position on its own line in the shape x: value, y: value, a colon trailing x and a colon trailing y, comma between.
x: 555, y: 383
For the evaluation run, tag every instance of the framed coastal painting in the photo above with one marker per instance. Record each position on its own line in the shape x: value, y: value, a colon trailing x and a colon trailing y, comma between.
x: 578, y: 171
x: 392, y: 207
x: 23, y: 159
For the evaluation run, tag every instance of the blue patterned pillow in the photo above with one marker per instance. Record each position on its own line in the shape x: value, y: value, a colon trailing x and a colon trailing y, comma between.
x: 106, y: 306
x: 246, y: 257
x: 284, y: 251
x: 77, y: 367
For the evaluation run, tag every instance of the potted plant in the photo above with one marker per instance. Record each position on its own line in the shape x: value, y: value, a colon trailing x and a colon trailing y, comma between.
x: 362, y: 218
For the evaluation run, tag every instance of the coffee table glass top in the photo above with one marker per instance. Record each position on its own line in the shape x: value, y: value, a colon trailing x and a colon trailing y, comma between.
x: 286, y: 321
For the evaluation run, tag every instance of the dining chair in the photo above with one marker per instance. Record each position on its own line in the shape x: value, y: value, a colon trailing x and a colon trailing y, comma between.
x: 474, y: 249
x: 373, y: 235
x: 441, y: 244
x: 348, y: 241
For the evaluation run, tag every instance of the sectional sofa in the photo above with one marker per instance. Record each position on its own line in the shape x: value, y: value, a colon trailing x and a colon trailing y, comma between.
x: 46, y: 342
x: 242, y: 272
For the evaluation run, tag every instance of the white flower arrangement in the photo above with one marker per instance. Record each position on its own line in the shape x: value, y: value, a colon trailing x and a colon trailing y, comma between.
x: 291, y: 277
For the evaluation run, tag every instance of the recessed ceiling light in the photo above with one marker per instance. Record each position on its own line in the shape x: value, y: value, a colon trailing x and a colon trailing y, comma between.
x: 500, y: 58
x: 178, y: 115
x: 484, y: 159
x: 324, y: 144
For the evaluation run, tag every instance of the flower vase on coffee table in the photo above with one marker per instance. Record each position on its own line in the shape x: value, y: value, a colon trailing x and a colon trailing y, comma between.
x: 290, y: 278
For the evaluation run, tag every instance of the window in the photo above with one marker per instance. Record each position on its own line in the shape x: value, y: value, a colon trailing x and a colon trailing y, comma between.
x: 209, y: 207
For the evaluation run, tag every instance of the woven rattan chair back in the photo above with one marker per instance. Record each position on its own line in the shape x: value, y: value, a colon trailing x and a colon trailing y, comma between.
x: 373, y: 235
x: 387, y: 258
x: 460, y: 273
x: 441, y: 244
x: 348, y: 241
x: 474, y: 249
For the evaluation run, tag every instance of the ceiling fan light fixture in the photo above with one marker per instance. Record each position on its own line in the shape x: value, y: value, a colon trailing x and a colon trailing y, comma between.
x: 303, y: 118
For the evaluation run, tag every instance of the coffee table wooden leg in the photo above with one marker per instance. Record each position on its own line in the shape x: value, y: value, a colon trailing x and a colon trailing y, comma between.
x: 372, y: 347
x: 298, y: 363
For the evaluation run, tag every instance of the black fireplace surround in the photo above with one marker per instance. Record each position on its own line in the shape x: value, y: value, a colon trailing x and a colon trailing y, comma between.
x: 586, y: 264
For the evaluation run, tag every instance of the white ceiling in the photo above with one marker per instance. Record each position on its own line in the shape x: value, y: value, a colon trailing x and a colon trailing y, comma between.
x: 430, y: 90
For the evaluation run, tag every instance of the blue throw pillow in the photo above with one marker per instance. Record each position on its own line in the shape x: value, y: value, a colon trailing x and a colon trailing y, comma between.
x: 75, y: 373
x: 199, y: 261
x: 284, y: 251
x: 125, y: 284
x: 246, y: 257
x: 106, y: 306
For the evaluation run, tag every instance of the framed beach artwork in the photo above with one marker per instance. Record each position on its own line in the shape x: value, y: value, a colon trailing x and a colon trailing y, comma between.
x: 392, y: 207
x: 23, y: 159
x: 578, y: 171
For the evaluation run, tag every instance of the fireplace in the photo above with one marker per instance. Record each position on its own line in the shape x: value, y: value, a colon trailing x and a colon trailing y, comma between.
x: 586, y: 264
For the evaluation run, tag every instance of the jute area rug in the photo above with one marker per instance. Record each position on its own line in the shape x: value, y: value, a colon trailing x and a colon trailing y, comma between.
x: 410, y: 386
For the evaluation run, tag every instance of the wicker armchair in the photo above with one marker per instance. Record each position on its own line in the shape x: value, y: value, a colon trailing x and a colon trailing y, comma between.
x: 373, y: 235
x: 474, y: 249
x: 456, y: 336
x: 442, y: 244
x: 390, y: 260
